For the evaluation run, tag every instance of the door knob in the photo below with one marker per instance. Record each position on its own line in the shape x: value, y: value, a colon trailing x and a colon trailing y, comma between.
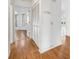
x: 63, y: 22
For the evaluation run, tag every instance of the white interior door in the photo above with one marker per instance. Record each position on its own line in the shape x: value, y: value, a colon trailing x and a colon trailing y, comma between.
x: 56, y: 22
x: 50, y: 26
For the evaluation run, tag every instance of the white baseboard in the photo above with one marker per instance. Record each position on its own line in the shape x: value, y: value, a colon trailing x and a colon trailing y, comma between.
x: 43, y: 51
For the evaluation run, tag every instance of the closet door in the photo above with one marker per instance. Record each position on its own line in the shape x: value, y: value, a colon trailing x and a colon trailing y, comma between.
x: 56, y: 22
x: 45, y: 28
x: 50, y: 24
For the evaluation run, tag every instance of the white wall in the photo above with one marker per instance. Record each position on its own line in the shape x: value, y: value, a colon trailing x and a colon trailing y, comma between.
x: 11, y: 28
x: 11, y: 20
x: 11, y: 24
x: 65, y: 6
x: 67, y: 2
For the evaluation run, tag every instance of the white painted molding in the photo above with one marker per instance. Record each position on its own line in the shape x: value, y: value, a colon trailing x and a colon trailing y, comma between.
x: 43, y: 51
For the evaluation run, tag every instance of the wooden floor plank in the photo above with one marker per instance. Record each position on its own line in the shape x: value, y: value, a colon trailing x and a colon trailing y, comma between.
x: 31, y: 51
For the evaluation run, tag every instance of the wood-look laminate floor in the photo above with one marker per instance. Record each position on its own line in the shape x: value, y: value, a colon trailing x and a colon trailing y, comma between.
x: 29, y: 50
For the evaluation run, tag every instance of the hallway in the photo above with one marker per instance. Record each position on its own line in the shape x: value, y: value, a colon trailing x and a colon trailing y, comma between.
x: 30, y: 51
